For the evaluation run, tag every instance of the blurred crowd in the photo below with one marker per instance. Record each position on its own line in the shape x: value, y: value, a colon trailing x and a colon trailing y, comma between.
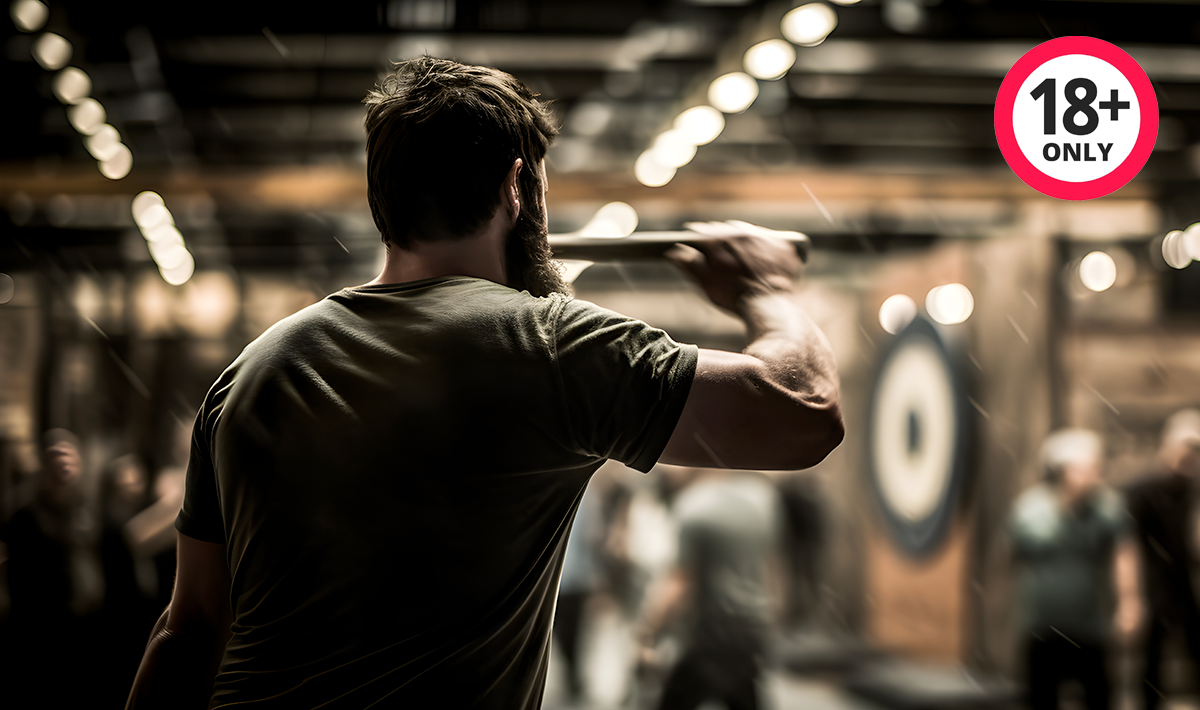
x: 675, y: 586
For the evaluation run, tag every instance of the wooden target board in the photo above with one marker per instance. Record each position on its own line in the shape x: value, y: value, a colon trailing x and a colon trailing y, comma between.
x: 918, y: 446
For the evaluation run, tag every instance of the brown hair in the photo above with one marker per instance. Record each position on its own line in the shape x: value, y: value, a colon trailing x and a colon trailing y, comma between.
x: 441, y: 137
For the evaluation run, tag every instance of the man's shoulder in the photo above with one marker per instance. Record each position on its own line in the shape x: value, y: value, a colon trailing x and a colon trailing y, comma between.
x: 1036, y: 505
x: 1151, y: 483
x: 1038, y: 495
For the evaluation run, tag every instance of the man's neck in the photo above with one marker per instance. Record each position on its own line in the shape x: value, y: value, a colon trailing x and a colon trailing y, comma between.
x: 480, y: 256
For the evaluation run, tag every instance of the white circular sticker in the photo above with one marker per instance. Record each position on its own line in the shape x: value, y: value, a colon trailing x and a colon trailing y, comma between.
x: 1082, y: 137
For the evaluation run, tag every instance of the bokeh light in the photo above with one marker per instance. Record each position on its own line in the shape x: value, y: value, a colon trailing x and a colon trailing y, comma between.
x: 950, y: 304
x: 1098, y: 271
x: 87, y: 116
x: 616, y: 219
x: 163, y: 234
x: 209, y: 304
x: 673, y: 149
x: 28, y: 15
x: 809, y: 25
x: 1191, y: 241
x: 179, y: 275
x: 8, y: 288
x: 103, y: 144
x: 72, y: 85
x: 650, y: 172
x: 52, y: 51
x: 590, y: 118
x: 905, y: 16
x: 168, y: 254
x: 117, y: 165
x: 733, y: 92
x: 700, y: 124
x: 153, y: 216
x: 1173, y: 250
x: 769, y: 60
x: 897, y: 312
x: 142, y: 203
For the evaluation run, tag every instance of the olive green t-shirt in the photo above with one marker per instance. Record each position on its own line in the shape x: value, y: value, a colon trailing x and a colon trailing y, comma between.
x: 394, y: 472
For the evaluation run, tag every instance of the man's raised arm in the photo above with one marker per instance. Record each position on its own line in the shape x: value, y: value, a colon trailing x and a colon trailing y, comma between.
x: 775, y: 406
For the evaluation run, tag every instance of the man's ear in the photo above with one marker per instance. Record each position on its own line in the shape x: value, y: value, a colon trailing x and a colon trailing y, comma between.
x: 510, y: 193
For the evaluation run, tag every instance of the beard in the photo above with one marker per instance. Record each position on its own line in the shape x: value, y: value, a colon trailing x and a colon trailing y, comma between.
x: 528, y: 261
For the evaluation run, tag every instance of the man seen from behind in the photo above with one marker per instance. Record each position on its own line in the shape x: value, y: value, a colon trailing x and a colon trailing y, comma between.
x: 381, y: 485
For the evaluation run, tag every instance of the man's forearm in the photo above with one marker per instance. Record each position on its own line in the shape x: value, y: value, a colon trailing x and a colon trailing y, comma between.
x: 1126, y: 574
x: 178, y: 667
x: 795, y: 350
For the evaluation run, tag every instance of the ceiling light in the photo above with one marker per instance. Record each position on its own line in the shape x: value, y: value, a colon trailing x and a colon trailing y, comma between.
x: 673, y: 149
x: 769, y: 60
x: 143, y: 202
x: 168, y: 255
x: 117, y: 165
x: 1173, y: 250
x: 163, y: 233
x: 949, y: 304
x: 87, y: 115
x: 650, y: 173
x: 700, y: 124
x: 28, y: 15
x: 1098, y: 271
x: 897, y: 312
x: 1191, y: 241
x: 103, y: 143
x: 177, y: 276
x: 153, y: 216
x: 905, y: 16
x: 72, y: 85
x: 590, y: 118
x: 52, y: 51
x: 733, y: 92
x: 809, y: 25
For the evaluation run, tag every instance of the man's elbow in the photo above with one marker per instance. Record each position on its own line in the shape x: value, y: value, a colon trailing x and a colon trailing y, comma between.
x: 826, y: 430
x: 801, y: 435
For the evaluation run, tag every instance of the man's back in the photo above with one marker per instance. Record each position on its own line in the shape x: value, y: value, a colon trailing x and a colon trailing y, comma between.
x: 394, y: 471
x: 1162, y: 504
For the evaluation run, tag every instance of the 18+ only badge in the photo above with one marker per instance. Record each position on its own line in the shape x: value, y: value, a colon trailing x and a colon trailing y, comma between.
x: 1076, y: 118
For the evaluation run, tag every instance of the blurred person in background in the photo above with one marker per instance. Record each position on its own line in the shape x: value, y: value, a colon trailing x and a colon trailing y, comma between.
x: 130, y: 584
x: 578, y: 582
x: 54, y: 581
x: 805, y: 520
x: 1070, y: 537
x: 383, y: 483
x: 1165, y: 505
x: 723, y: 591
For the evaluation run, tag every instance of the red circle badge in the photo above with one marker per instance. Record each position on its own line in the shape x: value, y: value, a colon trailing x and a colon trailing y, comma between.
x: 1076, y: 118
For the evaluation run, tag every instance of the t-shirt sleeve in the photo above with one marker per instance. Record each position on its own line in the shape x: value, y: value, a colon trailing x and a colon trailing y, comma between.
x: 200, y: 516
x: 624, y: 383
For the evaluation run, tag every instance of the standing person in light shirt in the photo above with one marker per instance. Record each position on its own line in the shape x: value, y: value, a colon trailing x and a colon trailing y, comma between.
x: 1077, y: 572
